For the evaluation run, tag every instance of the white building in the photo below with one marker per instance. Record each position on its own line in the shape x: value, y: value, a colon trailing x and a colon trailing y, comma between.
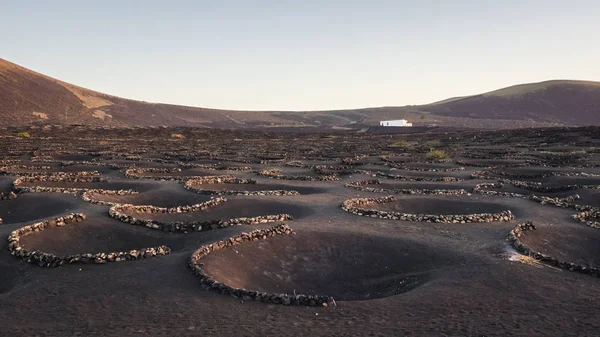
x: 397, y: 122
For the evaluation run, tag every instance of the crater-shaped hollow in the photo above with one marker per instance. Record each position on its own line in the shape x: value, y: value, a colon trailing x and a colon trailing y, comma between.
x: 94, y: 235
x: 438, y: 206
x: 346, y: 266
x: 567, y: 242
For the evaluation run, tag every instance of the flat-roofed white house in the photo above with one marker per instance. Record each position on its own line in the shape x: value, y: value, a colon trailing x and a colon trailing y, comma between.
x: 396, y: 122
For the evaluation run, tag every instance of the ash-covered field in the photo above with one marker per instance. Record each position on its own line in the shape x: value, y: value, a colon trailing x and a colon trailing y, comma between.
x: 196, y: 232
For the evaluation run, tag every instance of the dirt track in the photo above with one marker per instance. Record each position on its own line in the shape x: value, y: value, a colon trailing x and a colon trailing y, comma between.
x: 389, y: 278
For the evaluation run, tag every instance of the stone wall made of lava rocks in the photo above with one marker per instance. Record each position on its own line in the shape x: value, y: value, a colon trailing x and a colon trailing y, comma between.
x: 278, y: 174
x: 216, y: 167
x: 522, y: 229
x: 43, y: 259
x: 353, y: 206
x: 249, y: 161
x: 299, y: 164
x: 113, y: 166
x: 335, y: 167
x: 356, y: 160
x: 481, y: 174
x: 590, y: 217
x: 142, y: 173
x: 363, y: 185
x: 196, y: 165
x: 234, y: 168
x: 210, y: 283
x: 411, y: 178
x: 88, y: 195
x: 62, y: 177
x: 117, y: 212
x: 5, y: 162
x: 67, y: 177
x: 195, y: 185
x: 17, y: 170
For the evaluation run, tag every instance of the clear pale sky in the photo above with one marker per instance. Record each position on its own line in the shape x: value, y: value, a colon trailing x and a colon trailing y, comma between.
x: 302, y: 55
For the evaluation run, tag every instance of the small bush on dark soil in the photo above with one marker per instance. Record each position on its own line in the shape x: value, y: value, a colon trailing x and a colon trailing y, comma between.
x: 437, y: 155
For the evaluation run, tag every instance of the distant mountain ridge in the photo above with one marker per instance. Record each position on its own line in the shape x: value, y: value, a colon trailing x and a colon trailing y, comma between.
x: 27, y: 97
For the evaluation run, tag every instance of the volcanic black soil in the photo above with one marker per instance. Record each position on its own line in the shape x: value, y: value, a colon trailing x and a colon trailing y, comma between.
x: 388, y: 278
x: 28, y: 207
x: 6, y: 183
x: 400, y: 185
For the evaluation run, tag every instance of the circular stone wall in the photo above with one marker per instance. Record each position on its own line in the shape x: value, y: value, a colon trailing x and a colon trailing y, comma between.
x: 345, y: 266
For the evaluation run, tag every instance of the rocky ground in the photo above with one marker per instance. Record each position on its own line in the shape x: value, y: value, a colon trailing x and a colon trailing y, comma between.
x: 105, y: 237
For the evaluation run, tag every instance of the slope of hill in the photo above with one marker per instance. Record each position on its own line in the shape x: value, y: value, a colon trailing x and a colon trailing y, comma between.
x: 27, y: 97
x: 561, y: 101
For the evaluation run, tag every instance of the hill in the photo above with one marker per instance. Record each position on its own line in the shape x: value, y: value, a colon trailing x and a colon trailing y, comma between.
x: 27, y: 97
x: 561, y: 101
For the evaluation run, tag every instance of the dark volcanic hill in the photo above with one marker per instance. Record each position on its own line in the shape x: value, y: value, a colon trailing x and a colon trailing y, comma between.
x: 27, y: 97
x: 563, y: 102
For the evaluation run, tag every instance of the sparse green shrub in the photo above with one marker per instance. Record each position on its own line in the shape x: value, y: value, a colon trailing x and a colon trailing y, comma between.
x: 437, y: 155
x: 23, y: 134
x: 177, y: 136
